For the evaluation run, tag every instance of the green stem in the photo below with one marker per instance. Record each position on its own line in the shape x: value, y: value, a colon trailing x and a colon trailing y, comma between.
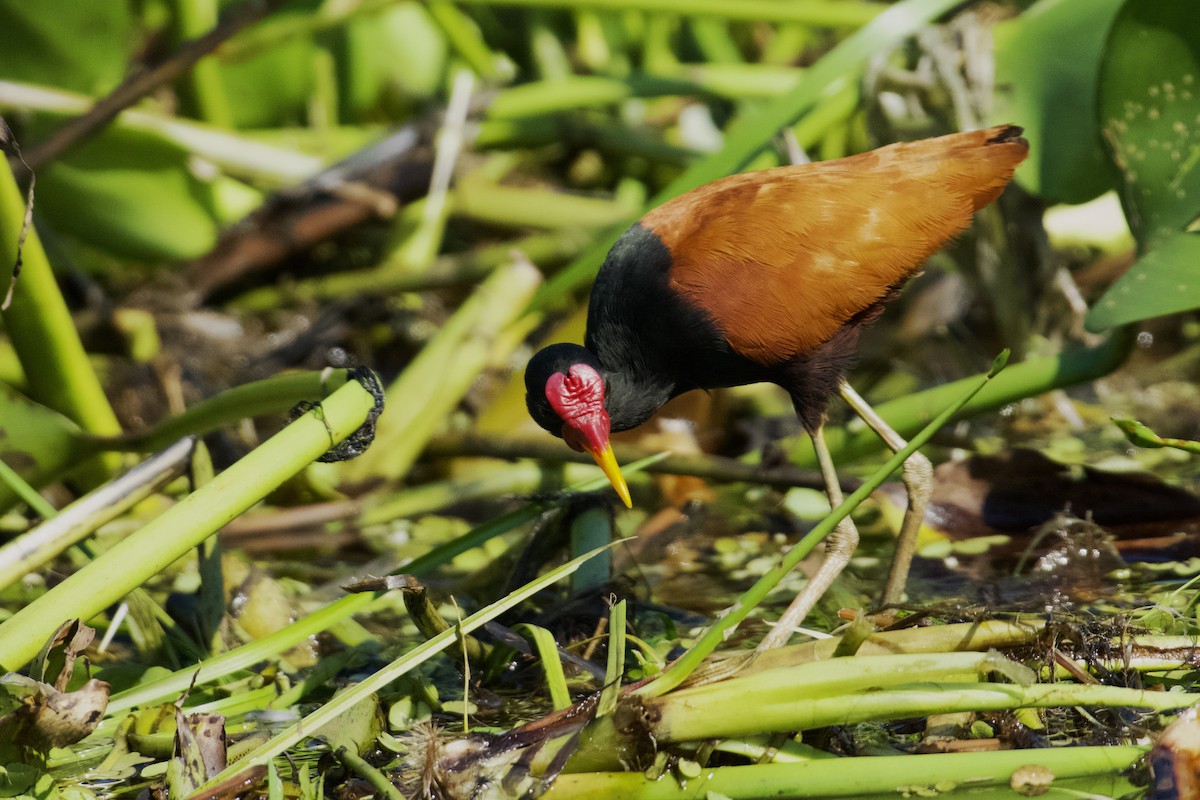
x: 27, y: 494
x: 521, y: 207
x: 464, y: 37
x: 592, y: 528
x: 883, y: 776
x: 59, y: 531
x: 269, y: 396
x: 148, y: 551
x: 791, y: 709
x: 365, y: 770
x: 43, y: 334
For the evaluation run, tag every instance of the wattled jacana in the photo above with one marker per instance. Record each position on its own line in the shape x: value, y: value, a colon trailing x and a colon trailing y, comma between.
x: 769, y: 277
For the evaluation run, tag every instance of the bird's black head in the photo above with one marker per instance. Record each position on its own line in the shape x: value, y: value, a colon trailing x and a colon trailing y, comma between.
x: 565, y: 393
x: 557, y: 359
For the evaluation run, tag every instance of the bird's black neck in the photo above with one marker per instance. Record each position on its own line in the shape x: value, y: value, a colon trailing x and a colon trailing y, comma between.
x: 634, y: 396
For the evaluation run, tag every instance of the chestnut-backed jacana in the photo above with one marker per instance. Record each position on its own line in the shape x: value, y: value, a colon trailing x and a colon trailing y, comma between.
x: 769, y: 277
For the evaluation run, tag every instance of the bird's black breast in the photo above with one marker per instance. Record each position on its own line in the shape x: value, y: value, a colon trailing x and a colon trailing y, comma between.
x: 638, y: 324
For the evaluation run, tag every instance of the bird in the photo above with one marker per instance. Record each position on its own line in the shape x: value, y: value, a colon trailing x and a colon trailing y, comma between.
x: 769, y: 277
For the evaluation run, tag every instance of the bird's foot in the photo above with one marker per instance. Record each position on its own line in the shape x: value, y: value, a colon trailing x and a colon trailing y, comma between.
x: 840, y: 547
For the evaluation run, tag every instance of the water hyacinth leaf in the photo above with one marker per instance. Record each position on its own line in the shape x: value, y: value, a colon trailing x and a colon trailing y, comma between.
x: 356, y: 728
x: 274, y: 86
x: 132, y: 193
x: 78, y: 44
x: 36, y: 442
x: 1149, y: 104
x: 1164, y: 281
x: 394, y: 57
x: 1047, y: 65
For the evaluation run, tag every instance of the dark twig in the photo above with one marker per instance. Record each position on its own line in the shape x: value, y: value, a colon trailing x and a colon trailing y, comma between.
x: 145, y: 81
x: 10, y: 145
x: 714, y: 468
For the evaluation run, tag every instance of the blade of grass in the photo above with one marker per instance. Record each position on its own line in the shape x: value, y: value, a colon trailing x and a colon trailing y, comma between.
x: 616, y: 661
x: 547, y: 650
x: 1026, y: 379
x: 235, y: 153
x: 26, y: 493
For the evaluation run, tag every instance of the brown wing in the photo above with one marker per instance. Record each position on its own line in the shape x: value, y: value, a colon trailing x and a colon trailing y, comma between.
x: 783, y: 257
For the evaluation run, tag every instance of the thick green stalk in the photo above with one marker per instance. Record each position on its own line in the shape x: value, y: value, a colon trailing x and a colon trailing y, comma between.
x: 155, y: 546
x: 42, y: 331
x: 791, y: 709
x: 933, y: 775
x: 787, y: 704
x: 274, y: 395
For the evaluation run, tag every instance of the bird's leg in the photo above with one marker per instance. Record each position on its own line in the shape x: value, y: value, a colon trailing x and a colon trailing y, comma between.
x: 838, y: 549
x: 918, y: 481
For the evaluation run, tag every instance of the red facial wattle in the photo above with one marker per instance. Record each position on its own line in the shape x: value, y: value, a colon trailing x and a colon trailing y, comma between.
x: 577, y: 397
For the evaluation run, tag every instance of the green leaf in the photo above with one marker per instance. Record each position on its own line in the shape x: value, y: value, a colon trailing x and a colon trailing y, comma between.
x: 547, y: 650
x: 273, y: 88
x: 393, y: 59
x: 355, y: 728
x: 1149, y: 105
x: 72, y: 44
x: 1047, y: 65
x: 1164, y: 281
x: 36, y: 442
x: 132, y: 193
